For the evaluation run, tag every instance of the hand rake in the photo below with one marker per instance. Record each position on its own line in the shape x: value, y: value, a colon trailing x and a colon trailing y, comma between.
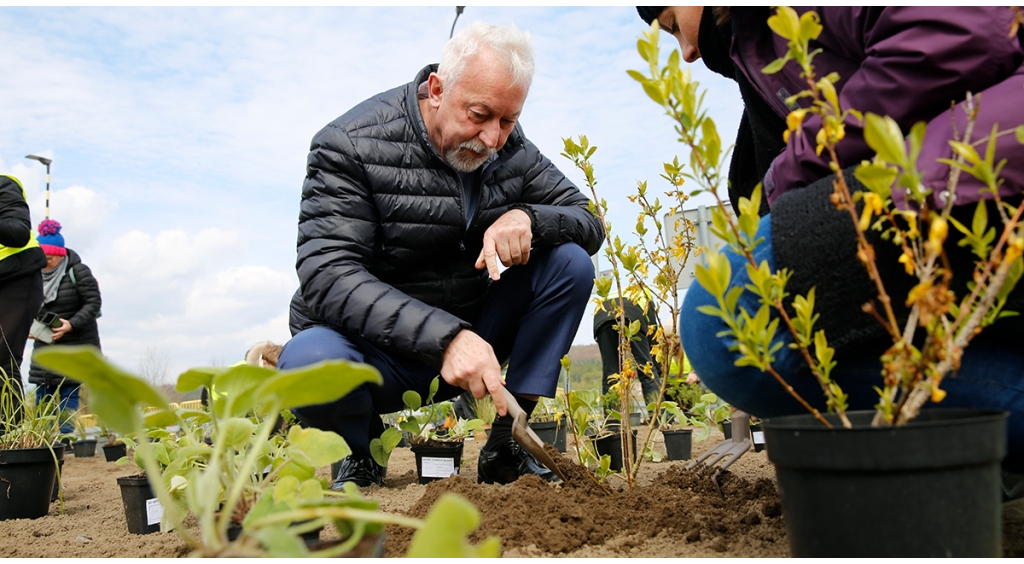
x: 732, y: 449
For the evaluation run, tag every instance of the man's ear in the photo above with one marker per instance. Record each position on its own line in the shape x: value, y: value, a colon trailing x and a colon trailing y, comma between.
x: 434, y: 89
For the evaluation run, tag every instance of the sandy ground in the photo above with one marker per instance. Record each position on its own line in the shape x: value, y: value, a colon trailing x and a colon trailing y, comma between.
x: 669, y: 515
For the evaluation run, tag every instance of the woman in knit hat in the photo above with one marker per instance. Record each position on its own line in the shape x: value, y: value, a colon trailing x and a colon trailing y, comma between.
x: 71, y: 293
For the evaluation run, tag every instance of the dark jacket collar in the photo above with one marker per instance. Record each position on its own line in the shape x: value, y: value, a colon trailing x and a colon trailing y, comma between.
x: 713, y: 42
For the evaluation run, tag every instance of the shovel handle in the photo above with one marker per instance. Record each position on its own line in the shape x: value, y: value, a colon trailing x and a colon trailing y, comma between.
x: 513, y: 406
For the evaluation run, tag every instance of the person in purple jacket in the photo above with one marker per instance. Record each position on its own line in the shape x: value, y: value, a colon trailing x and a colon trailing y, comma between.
x: 909, y: 63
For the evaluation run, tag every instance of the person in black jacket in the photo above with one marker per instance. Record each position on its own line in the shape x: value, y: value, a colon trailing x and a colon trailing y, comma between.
x: 412, y: 201
x: 607, y: 337
x: 21, y: 282
x: 72, y: 294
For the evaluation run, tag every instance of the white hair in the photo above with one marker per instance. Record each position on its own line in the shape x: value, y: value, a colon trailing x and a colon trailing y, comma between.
x: 511, y: 46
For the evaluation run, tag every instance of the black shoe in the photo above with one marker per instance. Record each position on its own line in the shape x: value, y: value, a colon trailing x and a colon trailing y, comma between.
x: 363, y: 472
x: 506, y: 463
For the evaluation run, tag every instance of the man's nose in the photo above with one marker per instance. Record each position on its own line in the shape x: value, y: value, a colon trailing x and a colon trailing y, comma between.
x: 490, y: 134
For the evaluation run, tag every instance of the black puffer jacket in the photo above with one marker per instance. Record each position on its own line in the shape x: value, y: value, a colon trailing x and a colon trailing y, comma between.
x: 77, y: 301
x: 383, y: 249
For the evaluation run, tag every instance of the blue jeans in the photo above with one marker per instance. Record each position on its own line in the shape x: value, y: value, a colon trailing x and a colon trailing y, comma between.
x: 991, y: 374
x: 530, y: 318
x: 68, y: 402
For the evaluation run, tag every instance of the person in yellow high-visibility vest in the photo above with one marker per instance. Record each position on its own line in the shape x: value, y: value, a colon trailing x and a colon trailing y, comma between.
x: 21, y: 281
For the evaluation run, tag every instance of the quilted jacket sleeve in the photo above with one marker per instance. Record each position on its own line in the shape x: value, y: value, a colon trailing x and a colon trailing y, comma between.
x: 559, y: 211
x: 338, y: 230
x: 89, y: 294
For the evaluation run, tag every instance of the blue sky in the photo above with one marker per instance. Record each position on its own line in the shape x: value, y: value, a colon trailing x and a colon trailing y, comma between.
x: 179, y: 138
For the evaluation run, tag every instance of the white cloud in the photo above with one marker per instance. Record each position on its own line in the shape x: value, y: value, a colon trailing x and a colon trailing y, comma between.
x: 82, y: 213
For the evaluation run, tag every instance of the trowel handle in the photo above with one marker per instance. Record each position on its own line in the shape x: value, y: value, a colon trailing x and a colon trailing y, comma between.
x: 513, y: 406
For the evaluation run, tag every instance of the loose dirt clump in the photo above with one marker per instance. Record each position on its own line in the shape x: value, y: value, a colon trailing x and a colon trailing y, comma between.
x: 536, y: 517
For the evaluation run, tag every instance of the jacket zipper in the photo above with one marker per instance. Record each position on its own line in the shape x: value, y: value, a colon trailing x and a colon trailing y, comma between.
x: 779, y: 106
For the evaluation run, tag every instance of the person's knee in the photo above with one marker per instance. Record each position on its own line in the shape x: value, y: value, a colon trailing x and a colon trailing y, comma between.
x: 314, y: 345
x: 575, y: 265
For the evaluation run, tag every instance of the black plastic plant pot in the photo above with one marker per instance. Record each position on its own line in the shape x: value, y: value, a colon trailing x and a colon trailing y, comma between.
x: 551, y: 432
x: 678, y: 444
x: 371, y: 546
x: 26, y: 481
x: 929, y: 489
x: 757, y: 437
x: 726, y: 429
x: 437, y: 460
x: 113, y: 453
x: 142, y: 510
x: 612, y: 446
x: 84, y: 448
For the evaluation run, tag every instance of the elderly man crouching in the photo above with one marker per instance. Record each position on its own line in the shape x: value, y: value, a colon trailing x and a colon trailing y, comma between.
x: 411, y: 200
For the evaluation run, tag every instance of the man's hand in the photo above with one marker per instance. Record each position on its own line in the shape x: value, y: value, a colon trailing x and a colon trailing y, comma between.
x: 507, y: 240
x: 470, y: 364
x: 59, y: 332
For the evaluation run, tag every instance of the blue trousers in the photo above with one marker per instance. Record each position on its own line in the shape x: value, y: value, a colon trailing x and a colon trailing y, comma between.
x: 68, y: 402
x: 991, y: 374
x: 530, y: 318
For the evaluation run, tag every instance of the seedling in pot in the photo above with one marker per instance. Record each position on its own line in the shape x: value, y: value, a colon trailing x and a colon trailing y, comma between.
x: 29, y: 424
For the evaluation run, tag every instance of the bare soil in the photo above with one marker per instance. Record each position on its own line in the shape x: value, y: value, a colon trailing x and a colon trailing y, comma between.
x: 670, y: 514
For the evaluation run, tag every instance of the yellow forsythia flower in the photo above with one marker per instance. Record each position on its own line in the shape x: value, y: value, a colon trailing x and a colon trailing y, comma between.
x: 908, y: 262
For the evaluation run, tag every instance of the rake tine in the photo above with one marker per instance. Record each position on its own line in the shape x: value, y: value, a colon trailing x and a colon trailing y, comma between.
x: 730, y: 448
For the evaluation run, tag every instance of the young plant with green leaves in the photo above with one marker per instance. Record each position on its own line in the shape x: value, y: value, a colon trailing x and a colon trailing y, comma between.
x: 218, y: 482
x: 672, y: 416
x: 648, y: 272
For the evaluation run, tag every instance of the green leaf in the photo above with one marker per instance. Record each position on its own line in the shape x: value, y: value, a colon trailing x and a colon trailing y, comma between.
x: 322, y: 447
x: 966, y: 151
x: 775, y: 66
x: 637, y: 76
x: 161, y: 418
x: 877, y: 177
x: 412, y: 400
x: 446, y: 530
x: 286, y: 489
x: 883, y: 135
x: 322, y: 382
x: 1019, y: 132
x: 434, y: 385
x: 197, y: 378
x: 235, y: 432
x: 711, y: 141
x: 115, y: 396
x: 655, y: 94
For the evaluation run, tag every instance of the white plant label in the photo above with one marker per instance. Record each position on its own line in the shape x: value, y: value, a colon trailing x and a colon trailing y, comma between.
x: 758, y: 437
x: 154, y: 511
x: 438, y: 467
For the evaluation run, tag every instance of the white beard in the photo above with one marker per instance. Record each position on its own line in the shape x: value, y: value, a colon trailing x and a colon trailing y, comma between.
x: 464, y: 161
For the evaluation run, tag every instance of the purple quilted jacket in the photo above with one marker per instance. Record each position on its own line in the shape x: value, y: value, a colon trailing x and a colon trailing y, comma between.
x: 909, y: 63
